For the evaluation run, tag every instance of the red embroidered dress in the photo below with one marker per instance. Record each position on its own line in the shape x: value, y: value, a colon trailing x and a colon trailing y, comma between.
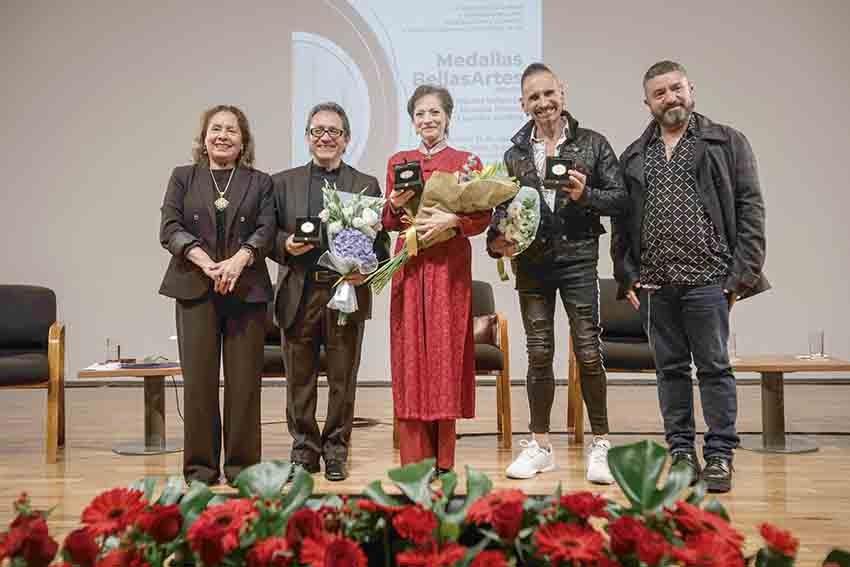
x: 432, y: 348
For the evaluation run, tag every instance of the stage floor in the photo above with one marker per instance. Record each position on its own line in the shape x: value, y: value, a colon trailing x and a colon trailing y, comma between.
x: 806, y: 493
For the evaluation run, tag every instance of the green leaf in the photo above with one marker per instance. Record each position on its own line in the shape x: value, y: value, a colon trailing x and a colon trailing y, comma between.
x: 194, y: 502
x: 768, y: 558
x: 376, y: 493
x: 715, y: 507
x: 637, y: 468
x: 449, y: 531
x: 171, y: 492
x: 697, y: 495
x: 473, y: 551
x: 477, y: 485
x: 264, y: 480
x: 838, y: 556
x: 414, y: 480
x: 678, y: 480
x: 299, y: 491
x: 145, y: 485
x: 448, y: 482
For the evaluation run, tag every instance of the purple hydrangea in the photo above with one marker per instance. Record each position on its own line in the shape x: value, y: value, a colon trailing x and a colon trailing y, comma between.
x: 352, y: 244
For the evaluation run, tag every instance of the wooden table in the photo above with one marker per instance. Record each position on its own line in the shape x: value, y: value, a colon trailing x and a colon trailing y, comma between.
x: 772, y: 368
x: 155, y: 442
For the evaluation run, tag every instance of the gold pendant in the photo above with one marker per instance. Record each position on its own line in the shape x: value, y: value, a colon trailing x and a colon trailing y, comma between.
x: 221, y: 203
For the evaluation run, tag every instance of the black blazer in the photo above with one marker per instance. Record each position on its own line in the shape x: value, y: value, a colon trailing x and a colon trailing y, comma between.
x: 188, y: 220
x: 290, y: 197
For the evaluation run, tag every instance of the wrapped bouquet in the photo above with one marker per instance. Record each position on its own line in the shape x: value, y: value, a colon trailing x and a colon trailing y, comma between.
x: 520, y: 223
x: 467, y: 192
x: 353, y: 221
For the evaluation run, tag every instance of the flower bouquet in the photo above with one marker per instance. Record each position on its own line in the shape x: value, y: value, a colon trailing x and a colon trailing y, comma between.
x: 519, y: 223
x: 469, y: 191
x: 353, y: 221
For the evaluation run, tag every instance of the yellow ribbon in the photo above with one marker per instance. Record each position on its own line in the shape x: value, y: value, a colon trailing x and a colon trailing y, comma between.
x: 410, y: 241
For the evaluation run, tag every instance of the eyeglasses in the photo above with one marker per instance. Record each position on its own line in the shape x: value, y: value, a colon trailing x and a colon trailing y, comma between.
x: 320, y: 131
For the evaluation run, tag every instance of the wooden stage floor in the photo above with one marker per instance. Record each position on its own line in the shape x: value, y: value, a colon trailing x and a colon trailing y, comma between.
x: 806, y: 493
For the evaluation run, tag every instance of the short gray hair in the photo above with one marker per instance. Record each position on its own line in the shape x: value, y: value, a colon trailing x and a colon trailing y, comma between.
x: 330, y: 107
x: 662, y: 68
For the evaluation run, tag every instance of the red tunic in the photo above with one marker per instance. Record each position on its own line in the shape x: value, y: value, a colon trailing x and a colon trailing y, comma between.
x: 432, y: 348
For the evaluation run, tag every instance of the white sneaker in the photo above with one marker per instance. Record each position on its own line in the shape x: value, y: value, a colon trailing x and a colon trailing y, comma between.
x: 597, y: 462
x: 532, y: 460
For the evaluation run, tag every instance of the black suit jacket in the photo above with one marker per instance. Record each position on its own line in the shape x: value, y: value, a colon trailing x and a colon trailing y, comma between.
x: 290, y: 196
x: 188, y: 220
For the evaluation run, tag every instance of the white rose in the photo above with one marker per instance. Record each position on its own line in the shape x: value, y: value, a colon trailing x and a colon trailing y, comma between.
x: 348, y: 211
x: 358, y: 223
x: 370, y: 216
x: 324, y: 215
x: 334, y: 228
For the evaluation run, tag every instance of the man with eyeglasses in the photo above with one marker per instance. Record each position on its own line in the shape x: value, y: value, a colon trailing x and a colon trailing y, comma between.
x: 309, y: 329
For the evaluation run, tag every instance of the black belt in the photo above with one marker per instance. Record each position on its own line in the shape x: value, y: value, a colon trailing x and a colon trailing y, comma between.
x: 324, y: 276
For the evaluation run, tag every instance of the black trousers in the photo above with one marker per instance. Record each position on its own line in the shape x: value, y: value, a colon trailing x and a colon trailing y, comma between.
x: 579, y: 290
x: 315, y: 325
x: 211, y: 330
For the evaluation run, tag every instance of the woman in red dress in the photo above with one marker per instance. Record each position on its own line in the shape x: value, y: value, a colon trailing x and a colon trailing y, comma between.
x: 432, y: 348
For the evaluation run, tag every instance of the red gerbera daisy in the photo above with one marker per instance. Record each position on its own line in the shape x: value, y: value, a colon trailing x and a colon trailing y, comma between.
x: 124, y: 558
x: 271, y: 552
x: 303, y: 524
x: 780, y: 541
x: 112, y: 511
x: 490, y: 558
x: 693, y: 520
x: 585, y: 504
x: 332, y: 550
x: 416, y: 524
x: 708, y: 549
x: 432, y: 556
x: 569, y: 542
x: 216, y: 531
x: 481, y: 511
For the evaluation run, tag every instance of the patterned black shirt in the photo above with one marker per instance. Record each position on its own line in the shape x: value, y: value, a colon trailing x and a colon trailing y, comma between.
x: 679, y: 243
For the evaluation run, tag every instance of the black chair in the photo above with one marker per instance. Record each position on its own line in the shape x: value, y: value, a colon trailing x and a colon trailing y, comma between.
x: 625, y: 348
x: 32, y: 352
x: 492, y: 356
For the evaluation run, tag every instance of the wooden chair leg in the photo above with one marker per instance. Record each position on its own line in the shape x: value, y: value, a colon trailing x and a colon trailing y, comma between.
x: 506, y: 431
x: 575, y: 404
x: 499, y: 403
x: 52, y: 424
x: 503, y: 384
x: 55, y: 391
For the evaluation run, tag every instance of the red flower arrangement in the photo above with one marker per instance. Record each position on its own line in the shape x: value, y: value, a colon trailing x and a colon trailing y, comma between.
x: 269, y: 526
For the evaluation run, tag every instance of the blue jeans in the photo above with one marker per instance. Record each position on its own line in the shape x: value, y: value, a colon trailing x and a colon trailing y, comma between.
x: 685, y: 323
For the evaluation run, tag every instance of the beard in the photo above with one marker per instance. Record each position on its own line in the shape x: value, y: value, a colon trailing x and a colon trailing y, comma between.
x: 675, y: 116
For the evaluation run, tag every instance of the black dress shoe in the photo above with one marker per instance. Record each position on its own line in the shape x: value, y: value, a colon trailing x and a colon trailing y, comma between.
x: 718, y: 474
x: 687, y: 459
x: 311, y: 468
x: 335, y: 470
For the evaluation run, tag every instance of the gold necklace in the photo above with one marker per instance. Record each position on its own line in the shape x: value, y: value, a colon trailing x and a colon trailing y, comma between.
x: 221, y: 203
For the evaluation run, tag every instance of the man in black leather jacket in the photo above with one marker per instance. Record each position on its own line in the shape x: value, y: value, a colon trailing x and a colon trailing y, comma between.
x: 692, y: 244
x: 562, y: 259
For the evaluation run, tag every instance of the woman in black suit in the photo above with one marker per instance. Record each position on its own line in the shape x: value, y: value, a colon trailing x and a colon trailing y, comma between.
x: 218, y: 223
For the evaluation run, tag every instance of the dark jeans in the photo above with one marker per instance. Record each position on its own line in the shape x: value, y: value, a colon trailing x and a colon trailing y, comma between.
x: 682, y: 323
x: 579, y: 290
